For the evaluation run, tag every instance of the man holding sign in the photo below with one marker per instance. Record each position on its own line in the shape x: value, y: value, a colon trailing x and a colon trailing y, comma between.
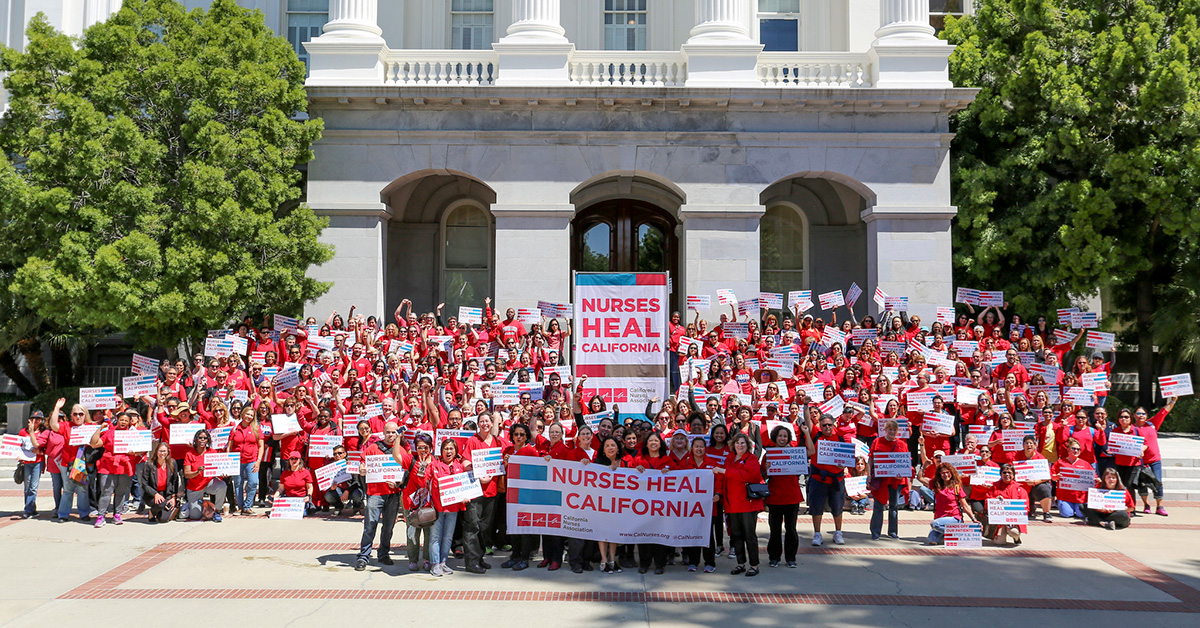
x: 829, y: 455
x: 383, y: 499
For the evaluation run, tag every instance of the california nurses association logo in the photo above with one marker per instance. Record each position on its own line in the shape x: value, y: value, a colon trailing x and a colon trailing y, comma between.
x: 539, y: 520
x: 609, y: 395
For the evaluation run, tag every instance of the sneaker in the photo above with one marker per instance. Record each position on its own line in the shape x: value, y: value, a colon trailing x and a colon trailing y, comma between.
x: 1161, y: 511
x: 837, y: 538
x: 692, y: 568
x: 216, y: 517
x: 413, y: 567
x: 874, y: 537
x: 100, y: 522
x: 521, y: 565
x: 246, y: 512
x: 710, y: 568
x: 425, y: 566
x: 508, y: 564
x: 616, y: 567
x: 720, y: 550
x: 361, y: 565
x: 817, y: 540
x: 446, y: 570
x: 386, y: 560
x: 893, y: 536
x: 731, y: 555
x: 773, y: 563
x: 1146, y: 510
x: 117, y: 519
x: 1046, y: 518
x: 605, y: 568
x: 791, y: 564
x: 658, y: 571
x: 1108, y: 525
x: 436, y: 570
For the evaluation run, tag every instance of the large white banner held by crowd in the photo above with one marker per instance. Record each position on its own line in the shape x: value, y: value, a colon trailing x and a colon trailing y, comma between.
x: 621, y: 327
x: 596, y: 503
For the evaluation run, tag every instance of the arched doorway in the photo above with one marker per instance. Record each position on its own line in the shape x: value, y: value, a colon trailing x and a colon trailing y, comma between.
x: 625, y: 235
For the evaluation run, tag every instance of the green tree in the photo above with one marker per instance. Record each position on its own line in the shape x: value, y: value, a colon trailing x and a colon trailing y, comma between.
x: 1077, y: 165
x: 148, y: 179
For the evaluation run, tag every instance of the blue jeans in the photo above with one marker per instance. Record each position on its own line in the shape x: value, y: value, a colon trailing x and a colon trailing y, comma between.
x: 73, y: 489
x: 893, y: 504
x: 380, y: 509
x: 1070, y: 510
x: 56, y: 486
x: 442, y: 536
x: 919, y: 497
x: 246, y: 486
x: 938, y: 533
x: 33, y: 476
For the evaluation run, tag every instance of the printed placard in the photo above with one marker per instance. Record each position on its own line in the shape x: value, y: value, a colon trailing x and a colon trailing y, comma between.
x: 856, y: 486
x: 487, y: 463
x: 529, y: 316
x: 220, y: 436
x: 1076, y: 478
x: 372, y: 411
x: 287, y: 379
x: 1048, y: 373
x: 750, y: 307
x: 350, y: 424
x: 736, y: 330
x: 143, y: 365
x: 968, y: 296
x: 458, y: 488
x: 139, y: 386
x: 853, y: 294
x: 798, y: 297
x: 285, y: 424
x: 285, y: 323
x: 991, y: 298
x: 1036, y: 470
x: 381, y: 468
x: 835, y: 405
x: 880, y: 297
x: 458, y: 436
x: 771, y: 300
x: 726, y: 297
x: 1175, y: 385
x: 699, y: 302
x: 335, y: 472
x: 1096, y: 382
x: 222, y: 464
x: 322, y: 445
x: 1062, y: 337
x: 1124, y: 444
x: 967, y: 396
x: 184, y: 433
x: 893, y: 464
x: 938, y: 423
x: 1014, y: 440
x: 861, y: 335
x: 1066, y: 315
x: 945, y: 315
x: 831, y: 300
x: 786, y: 461
x: 963, y: 463
x: 1107, y: 501
x: 985, y: 475
x: 1100, y: 341
x: 896, y: 304
x: 287, y: 508
x: 354, y: 462
x: 966, y: 535
x: 18, y: 447
x: 101, y: 398
x: 563, y: 372
x: 1078, y: 395
x: 1007, y: 512
x: 920, y: 401
x: 82, y: 434
x: 1086, y: 320
x: 832, y: 336
x: 470, y: 315
x: 835, y: 453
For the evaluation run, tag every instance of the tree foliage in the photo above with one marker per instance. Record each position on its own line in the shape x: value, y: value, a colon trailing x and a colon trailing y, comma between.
x: 1078, y: 165
x: 148, y: 181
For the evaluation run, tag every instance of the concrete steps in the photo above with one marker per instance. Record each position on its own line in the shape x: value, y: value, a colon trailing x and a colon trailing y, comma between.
x: 1181, y: 479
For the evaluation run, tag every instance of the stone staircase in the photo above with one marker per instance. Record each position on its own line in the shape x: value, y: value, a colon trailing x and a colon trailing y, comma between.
x: 1181, y: 479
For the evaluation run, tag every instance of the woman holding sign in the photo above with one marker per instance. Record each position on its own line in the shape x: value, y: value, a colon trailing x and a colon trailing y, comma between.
x: 741, y: 470
x: 296, y: 481
x: 1009, y: 489
x: 885, y: 491
x: 247, y: 440
x: 198, y: 486
x: 1112, y: 519
x: 1071, y: 500
x: 442, y: 533
x: 116, y: 471
x: 1128, y: 467
x: 1039, y: 490
x: 783, y: 506
x: 1152, y: 459
x: 949, y: 502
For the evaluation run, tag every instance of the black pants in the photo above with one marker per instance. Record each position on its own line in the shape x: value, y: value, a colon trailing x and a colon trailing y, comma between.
x: 719, y: 524
x: 652, y: 553
x: 782, y: 519
x: 552, y: 548
x: 499, y: 533
x: 743, y: 538
x: 1118, y: 517
x: 1128, y: 474
x: 477, y: 529
x: 691, y: 555
x: 578, y: 552
x: 523, y: 545
x: 914, y: 440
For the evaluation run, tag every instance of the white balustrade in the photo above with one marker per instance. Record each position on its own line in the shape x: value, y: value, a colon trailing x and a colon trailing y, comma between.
x: 440, y: 67
x: 628, y: 69
x: 814, y: 69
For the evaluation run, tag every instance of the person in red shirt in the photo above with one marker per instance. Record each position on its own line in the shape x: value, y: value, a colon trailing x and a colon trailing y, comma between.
x: 160, y: 484
x: 741, y: 470
x: 653, y: 457
x: 1112, y: 519
x: 826, y: 484
x: 246, y: 438
x: 1008, y: 488
x: 886, y: 491
x: 949, y: 503
x: 116, y: 471
x: 296, y: 481
x: 1148, y: 427
x: 783, y: 507
x: 199, y: 486
x: 383, y: 499
x: 73, y: 490
x: 480, y: 512
x: 524, y: 545
x: 442, y: 534
x: 1070, y: 502
x: 36, y: 438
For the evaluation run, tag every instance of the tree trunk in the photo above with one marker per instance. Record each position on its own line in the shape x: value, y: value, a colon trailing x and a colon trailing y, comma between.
x: 31, y: 348
x: 64, y: 366
x: 13, y: 370
x: 1145, y: 315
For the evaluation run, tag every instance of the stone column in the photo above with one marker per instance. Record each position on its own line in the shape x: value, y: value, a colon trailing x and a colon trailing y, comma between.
x: 720, y: 52
x: 351, y: 49
x: 906, y: 54
x: 96, y: 11
x: 909, y: 254
x: 535, y: 52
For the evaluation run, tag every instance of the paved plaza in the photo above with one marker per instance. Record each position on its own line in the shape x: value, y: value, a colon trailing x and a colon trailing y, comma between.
x: 300, y: 573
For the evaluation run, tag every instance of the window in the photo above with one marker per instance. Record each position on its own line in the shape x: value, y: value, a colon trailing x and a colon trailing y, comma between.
x: 782, y: 250
x: 779, y: 25
x: 939, y: 9
x: 471, y: 23
x: 597, y: 248
x: 304, y: 21
x: 624, y: 24
x: 467, y: 266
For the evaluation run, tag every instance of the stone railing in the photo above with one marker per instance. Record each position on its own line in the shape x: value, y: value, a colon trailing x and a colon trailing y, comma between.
x: 814, y: 69
x: 466, y: 68
x: 594, y: 68
x: 628, y: 69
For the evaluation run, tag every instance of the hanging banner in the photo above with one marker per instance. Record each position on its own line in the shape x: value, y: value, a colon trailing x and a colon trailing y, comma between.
x: 621, y: 322
x: 596, y: 503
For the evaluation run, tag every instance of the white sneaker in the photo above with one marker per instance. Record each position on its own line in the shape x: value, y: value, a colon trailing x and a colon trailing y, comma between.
x: 446, y: 570
x: 436, y: 570
x: 837, y: 538
x: 817, y: 539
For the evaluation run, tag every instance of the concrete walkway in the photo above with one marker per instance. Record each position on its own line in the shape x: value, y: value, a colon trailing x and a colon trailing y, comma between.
x: 300, y: 573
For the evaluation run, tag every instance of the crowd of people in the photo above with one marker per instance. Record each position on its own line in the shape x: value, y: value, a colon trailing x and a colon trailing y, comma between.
x: 966, y: 401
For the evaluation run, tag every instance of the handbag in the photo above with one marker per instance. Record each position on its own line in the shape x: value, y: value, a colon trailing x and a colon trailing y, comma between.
x: 424, y: 515
x: 19, y: 474
x: 757, y: 491
x: 78, y: 473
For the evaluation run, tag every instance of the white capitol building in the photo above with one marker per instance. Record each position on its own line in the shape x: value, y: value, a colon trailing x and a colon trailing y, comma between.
x: 490, y: 147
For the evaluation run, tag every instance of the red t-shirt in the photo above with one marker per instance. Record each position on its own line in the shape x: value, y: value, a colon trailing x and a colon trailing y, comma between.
x: 295, y: 483
x: 195, y: 462
x: 244, y: 439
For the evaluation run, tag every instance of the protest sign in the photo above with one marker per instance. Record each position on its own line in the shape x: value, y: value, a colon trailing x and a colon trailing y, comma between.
x: 831, y: 300
x: 1076, y: 479
x: 459, y: 488
x: 335, y: 472
x: 102, y: 398
x: 222, y: 464
x: 966, y: 535
x: 381, y: 468
x: 1124, y: 444
x: 139, y: 386
x: 143, y: 365
x: 184, y: 433
x: 285, y: 424
x: 220, y: 436
x: 287, y: 508
x: 1007, y: 512
x: 1107, y: 501
x: 699, y: 302
x: 835, y: 453
x: 322, y: 445
x: 786, y: 461
x: 1175, y: 385
x: 18, y: 447
x: 487, y: 462
x: 893, y: 464
x: 1036, y: 470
